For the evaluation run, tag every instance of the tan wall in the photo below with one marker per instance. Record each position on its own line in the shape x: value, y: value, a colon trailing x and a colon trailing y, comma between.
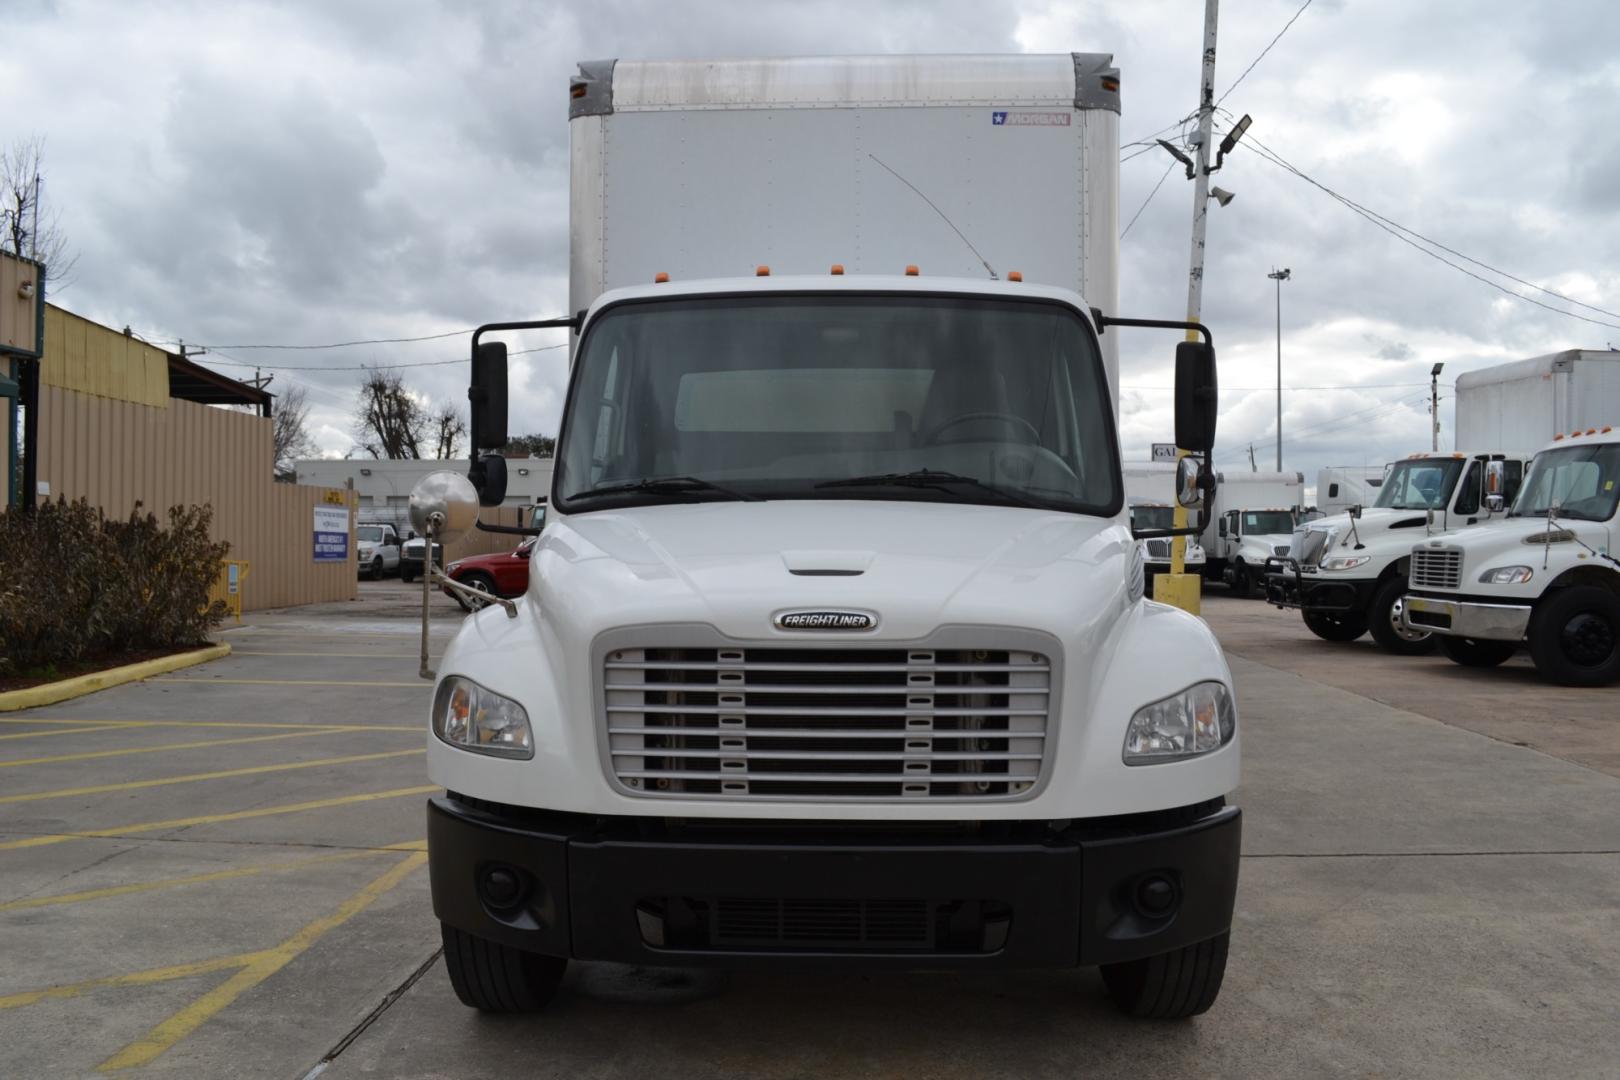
x: 17, y: 313
x: 88, y: 357
x: 485, y: 543
x: 115, y: 453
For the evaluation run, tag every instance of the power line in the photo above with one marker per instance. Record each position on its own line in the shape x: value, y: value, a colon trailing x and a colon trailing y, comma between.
x: 369, y: 367
x: 1339, y: 386
x: 336, y: 344
x: 1399, y: 232
x: 1263, y: 52
x: 1149, y: 199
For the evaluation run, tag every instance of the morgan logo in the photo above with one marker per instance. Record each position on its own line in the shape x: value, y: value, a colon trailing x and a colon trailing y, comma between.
x: 825, y: 620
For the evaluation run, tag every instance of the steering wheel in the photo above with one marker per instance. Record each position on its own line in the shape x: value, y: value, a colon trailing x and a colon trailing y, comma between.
x: 932, y: 435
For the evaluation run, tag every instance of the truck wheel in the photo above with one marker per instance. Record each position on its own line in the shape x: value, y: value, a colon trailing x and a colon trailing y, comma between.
x: 1575, y: 637
x: 1242, y: 584
x: 1384, y: 620
x: 1335, y: 626
x: 406, y: 576
x: 1172, y: 986
x: 497, y: 978
x: 377, y: 568
x: 1476, y: 652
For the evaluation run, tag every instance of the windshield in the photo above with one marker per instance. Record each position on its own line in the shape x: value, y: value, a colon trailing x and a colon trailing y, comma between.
x: 1421, y: 484
x: 372, y: 533
x: 1267, y: 522
x: 948, y: 399
x: 1153, y: 517
x: 1584, y: 482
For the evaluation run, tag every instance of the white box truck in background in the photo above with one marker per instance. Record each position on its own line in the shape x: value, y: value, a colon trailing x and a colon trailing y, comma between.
x: 1253, y: 516
x: 1339, y: 487
x: 1149, y: 494
x: 834, y: 653
x: 1526, y: 402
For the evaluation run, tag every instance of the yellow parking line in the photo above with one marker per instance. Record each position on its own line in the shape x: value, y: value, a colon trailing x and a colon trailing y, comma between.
x: 58, y: 720
x: 340, y: 655
x: 189, y: 879
x: 136, y: 978
x: 90, y: 754
x: 423, y: 683
x: 63, y: 731
x: 261, y: 967
x: 191, y: 778
x: 211, y: 819
x: 212, y: 724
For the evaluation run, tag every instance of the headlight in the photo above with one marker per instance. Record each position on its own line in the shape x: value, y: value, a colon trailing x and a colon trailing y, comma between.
x: 469, y: 717
x: 1506, y: 575
x: 453, y: 567
x: 1196, y: 721
x: 1345, y: 562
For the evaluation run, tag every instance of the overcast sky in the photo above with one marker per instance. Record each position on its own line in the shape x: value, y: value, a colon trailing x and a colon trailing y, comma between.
x: 326, y: 171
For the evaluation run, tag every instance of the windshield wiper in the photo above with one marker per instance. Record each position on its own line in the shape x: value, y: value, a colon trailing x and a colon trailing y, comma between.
x: 667, y: 485
x: 928, y: 478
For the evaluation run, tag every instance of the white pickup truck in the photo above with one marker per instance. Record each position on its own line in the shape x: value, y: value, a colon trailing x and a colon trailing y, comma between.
x: 1545, y: 575
x: 835, y: 653
x: 376, y: 549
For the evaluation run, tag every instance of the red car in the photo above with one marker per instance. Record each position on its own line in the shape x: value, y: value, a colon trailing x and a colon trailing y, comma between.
x: 503, y: 574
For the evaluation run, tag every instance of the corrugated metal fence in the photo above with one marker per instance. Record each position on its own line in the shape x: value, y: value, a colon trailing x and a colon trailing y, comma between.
x: 117, y: 453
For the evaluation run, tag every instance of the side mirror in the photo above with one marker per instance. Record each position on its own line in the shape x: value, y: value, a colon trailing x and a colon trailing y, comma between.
x: 488, y: 476
x: 445, y: 501
x: 1355, y: 511
x: 1223, y: 526
x: 488, y: 396
x: 1495, y: 480
x: 1188, y: 491
x: 1494, y: 503
x: 1196, y: 397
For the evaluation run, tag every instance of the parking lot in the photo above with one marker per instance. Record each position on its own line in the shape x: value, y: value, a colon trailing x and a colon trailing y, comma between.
x: 219, y: 873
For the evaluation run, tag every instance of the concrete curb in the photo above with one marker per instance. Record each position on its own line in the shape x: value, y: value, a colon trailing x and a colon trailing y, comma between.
x: 79, y: 686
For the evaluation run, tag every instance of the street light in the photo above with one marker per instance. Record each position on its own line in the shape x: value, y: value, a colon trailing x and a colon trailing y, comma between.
x: 1279, y: 276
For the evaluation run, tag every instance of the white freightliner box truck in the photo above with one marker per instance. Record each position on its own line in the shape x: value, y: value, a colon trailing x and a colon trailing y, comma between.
x: 1544, y: 575
x: 834, y: 652
x: 1251, y: 520
x: 1527, y: 402
x: 1347, y: 573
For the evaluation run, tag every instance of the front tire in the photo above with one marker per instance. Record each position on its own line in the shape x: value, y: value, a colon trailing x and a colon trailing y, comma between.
x: 1242, y: 584
x: 496, y: 978
x: 482, y: 584
x: 406, y: 576
x: 1476, y: 652
x: 376, y: 569
x: 1384, y: 620
x: 1575, y: 637
x: 1335, y: 626
x: 1172, y: 986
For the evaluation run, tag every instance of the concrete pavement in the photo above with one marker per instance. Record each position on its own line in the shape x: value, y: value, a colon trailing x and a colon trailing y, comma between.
x: 1417, y: 898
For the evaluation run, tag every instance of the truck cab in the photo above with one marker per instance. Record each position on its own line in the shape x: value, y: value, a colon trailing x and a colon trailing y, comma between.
x: 1347, y: 573
x: 1248, y: 539
x: 1544, y: 575
x: 1156, y: 553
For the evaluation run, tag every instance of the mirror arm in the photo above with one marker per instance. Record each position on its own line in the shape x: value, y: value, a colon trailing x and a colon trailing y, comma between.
x: 1160, y: 534
x: 510, y: 530
x: 1105, y: 321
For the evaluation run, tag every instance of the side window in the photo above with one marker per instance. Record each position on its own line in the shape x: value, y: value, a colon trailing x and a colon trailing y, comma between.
x: 1512, y: 477
x: 1333, y: 491
x: 1468, y: 493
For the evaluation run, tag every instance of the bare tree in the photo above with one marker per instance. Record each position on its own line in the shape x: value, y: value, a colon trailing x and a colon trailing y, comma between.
x: 449, y: 430
x: 389, y: 422
x: 540, y: 446
x: 290, y: 434
x: 28, y: 226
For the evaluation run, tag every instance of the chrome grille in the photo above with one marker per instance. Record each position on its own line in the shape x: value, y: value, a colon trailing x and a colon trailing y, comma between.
x: 1280, y: 549
x: 1436, y: 568
x: 1158, y: 550
x: 863, y: 723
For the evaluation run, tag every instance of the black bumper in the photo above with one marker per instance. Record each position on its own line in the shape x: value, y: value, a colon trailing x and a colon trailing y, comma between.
x: 1289, y: 587
x: 1015, y: 895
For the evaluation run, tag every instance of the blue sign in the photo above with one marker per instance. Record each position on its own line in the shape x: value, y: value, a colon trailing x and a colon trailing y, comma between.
x: 331, y: 533
x: 998, y: 118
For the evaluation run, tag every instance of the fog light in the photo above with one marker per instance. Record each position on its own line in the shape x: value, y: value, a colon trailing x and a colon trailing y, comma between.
x: 501, y: 887
x: 1155, y: 896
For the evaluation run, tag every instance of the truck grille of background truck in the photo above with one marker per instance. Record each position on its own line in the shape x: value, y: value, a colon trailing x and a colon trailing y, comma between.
x: 858, y: 723
x: 1436, y: 568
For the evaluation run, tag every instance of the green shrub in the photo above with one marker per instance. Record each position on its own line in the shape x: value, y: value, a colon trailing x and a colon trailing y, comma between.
x: 75, y: 585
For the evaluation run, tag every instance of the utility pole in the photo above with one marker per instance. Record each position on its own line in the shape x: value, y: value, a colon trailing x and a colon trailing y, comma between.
x: 1183, y: 593
x: 1279, y: 276
x: 1252, y: 466
x: 1434, y: 407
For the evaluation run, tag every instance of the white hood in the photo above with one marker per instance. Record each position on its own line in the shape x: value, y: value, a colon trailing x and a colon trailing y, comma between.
x: 917, y: 565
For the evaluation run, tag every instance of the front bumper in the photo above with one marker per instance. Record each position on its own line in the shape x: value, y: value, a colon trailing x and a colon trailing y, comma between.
x: 1466, y: 618
x: 825, y: 895
x: 1288, y: 586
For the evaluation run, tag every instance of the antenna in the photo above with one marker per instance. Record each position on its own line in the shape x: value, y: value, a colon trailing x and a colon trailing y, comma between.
x: 993, y: 275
